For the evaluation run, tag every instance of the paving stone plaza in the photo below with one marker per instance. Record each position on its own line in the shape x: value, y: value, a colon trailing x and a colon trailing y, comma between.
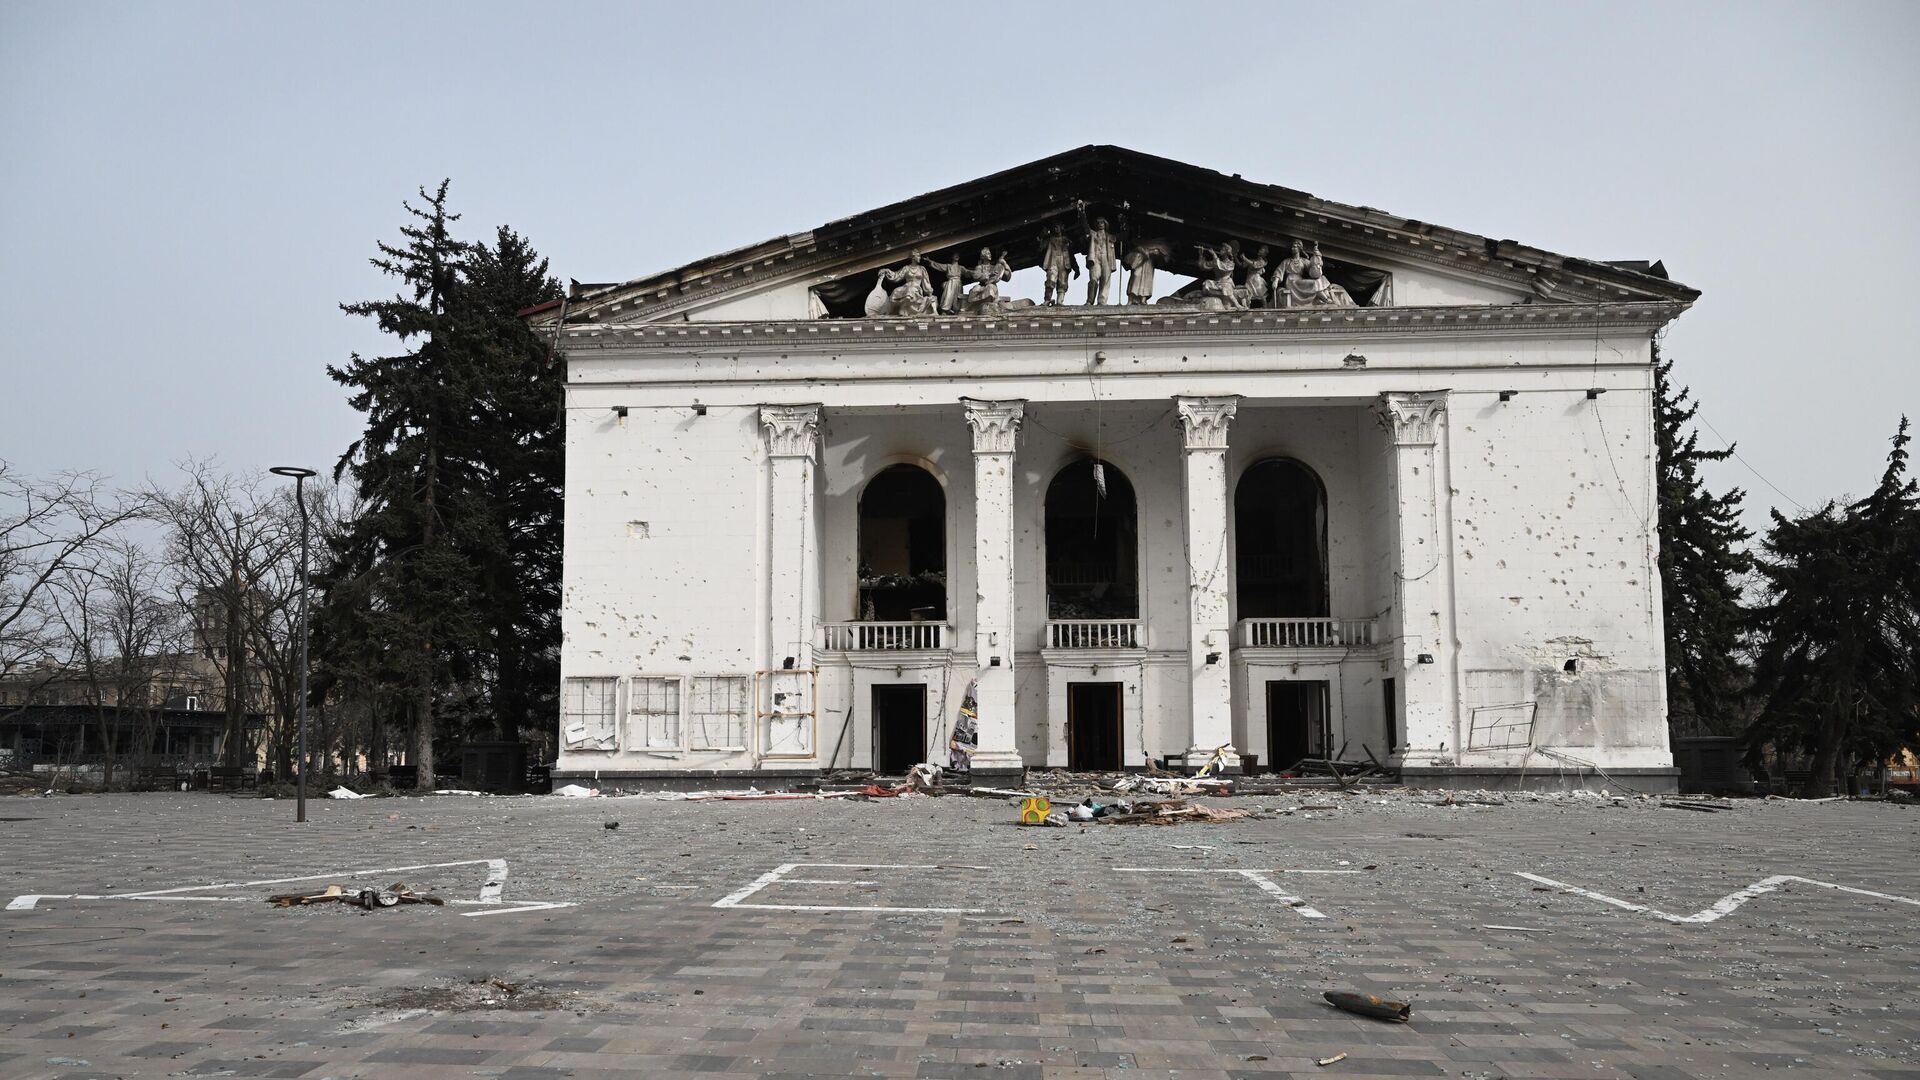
x: 935, y: 938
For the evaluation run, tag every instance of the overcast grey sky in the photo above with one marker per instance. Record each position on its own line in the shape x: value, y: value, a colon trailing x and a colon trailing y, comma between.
x: 188, y: 189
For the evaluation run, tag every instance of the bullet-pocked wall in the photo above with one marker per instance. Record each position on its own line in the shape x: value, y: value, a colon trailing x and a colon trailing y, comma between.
x: 1555, y: 569
x: 664, y: 577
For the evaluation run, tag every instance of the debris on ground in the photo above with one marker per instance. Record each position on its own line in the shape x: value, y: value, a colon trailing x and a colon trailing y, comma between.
x: 1167, y: 812
x: 1701, y: 805
x: 1334, y: 1060
x: 1368, y: 1005
x: 368, y: 899
x: 346, y: 793
x: 575, y: 791
x: 1174, y: 785
x: 517, y: 995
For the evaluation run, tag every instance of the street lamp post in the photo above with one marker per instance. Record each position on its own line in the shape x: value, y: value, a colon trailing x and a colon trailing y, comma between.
x: 299, y: 496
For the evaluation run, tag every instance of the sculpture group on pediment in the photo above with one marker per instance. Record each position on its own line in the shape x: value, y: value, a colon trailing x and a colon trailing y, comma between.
x: 908, y: 291
x: 1230, y: 278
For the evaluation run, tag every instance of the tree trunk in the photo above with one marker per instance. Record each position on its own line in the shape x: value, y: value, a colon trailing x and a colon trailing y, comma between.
x: 1820, y: 780
x: 1824, y: 780
x: 423, y: 731
x: 376, y: 739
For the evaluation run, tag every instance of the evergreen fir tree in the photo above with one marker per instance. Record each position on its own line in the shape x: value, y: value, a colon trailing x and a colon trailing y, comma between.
x: 519, y: 471
x: 1840, y: 630
x: 411, y: 542
x: 1702, y: 559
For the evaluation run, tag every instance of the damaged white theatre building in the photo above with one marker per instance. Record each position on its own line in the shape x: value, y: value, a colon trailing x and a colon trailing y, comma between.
x: 1165, y: 460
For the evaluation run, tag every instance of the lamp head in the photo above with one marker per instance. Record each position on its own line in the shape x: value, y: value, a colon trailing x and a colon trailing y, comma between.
x: 294, y: 471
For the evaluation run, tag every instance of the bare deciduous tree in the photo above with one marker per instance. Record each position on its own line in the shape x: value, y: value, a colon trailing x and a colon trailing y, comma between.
x: 225, y: 536
x: 48, y: 528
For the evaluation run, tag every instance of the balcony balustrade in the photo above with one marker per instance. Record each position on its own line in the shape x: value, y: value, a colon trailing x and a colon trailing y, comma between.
x: 1306, y: 633
x: 1093, y: 633
x: 883, y: 636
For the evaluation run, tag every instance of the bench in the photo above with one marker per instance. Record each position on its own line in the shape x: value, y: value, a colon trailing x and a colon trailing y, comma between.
x: 232, y: 778
x: 155, y: 778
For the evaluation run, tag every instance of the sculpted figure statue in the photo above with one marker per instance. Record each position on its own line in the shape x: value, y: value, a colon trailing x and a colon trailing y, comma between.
x: 988, y: 273
x: 1140, y: 262
x: 1059, y: 261
x: 1303, y: 282
x: 1102, y: 260
x: 956, y: 276
x: 1217, y: 289
x: 1255, y: 289
x: 914, y: 295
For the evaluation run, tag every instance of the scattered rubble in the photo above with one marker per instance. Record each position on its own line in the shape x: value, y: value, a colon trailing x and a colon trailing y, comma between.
x: 366, y: 899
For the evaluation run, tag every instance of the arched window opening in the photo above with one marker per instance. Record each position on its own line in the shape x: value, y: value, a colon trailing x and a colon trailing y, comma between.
x: 1092, y: 544
x: 1280, y: 542
x: 903, y: 547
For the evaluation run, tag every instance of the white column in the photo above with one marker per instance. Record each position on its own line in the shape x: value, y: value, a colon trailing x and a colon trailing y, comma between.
x: 1204, y: 421
x: 1422, y: 618
x: 995, y: 424
x: 793, y: 556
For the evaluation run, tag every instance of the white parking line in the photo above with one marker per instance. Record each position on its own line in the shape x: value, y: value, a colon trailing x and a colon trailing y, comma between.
x: 1260, y: 878
x: 490, y: 890
x: 1720, y: 908
x: 778, y: 876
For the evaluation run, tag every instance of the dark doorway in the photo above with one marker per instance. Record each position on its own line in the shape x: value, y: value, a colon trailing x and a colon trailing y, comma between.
x: 1296, y: 721
x: 1092, y: 544
x: 903, y: 547
x: 1390, y: 699
x: 899, y: 727
x: 1280, y: 542
x: 1093, y: 726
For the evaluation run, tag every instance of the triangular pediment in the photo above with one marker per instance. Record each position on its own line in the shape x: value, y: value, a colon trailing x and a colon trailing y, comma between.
x: 1180, y: 216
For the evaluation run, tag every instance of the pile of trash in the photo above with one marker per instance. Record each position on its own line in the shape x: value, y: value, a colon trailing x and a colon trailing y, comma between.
x: 366, y: 899
x: 1038, y: 810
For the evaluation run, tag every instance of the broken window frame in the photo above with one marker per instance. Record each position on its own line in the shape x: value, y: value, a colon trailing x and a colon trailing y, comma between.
x: 738, y: 720
x: 640, y: 720
x: 607, y: 711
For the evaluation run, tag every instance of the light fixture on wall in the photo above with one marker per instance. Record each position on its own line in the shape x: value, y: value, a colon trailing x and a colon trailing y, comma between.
x: 787, y: 664
x: 993, y: 662
x: 1100, y: 357
x: 1507, y: 395
x: 699, y: 409
x: 1425, y: 658
x: 1213, y: 658
x: 620, y: 415
x: 1594, y: 392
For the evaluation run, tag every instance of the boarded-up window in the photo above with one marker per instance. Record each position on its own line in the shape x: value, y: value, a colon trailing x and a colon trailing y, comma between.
x: 653, y: 713
x: 719, y: 709
x: 587, y: 720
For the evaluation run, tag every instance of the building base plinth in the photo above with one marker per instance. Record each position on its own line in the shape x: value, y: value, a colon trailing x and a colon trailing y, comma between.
x: 1468, y: 778
x: 612, y: 781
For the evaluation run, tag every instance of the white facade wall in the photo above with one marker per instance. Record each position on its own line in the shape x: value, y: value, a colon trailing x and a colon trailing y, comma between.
x: 1541, y: 511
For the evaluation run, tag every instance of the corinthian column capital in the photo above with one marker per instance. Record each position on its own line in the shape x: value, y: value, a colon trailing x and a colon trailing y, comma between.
x: 994, y: 424
x: 792, y: 430
x: 1204, y: 421
x: 1413, y: 419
